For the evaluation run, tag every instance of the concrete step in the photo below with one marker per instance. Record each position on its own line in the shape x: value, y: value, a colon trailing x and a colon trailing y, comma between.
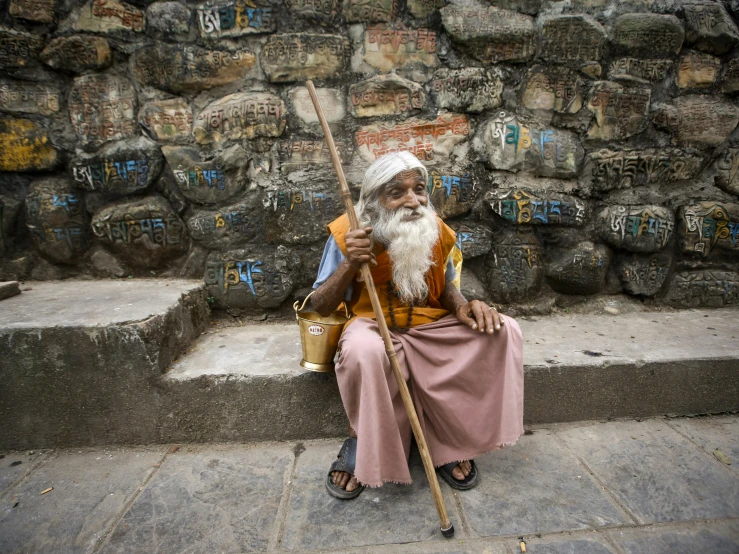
x: 245, y: 383
x: 81, y: 361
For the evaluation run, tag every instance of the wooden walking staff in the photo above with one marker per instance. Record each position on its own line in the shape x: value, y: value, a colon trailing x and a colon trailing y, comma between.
x: 447, y: 529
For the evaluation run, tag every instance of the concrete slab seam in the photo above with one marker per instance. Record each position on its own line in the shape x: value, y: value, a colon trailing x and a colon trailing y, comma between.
x: 710, y: 455
x: 44, y: 456
x: 106, y: 533
x: 612, y: 497
x: 466, y: 528
x: 288, y: 479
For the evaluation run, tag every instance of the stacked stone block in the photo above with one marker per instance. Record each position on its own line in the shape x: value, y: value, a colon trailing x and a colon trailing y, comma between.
x: 578, y: 148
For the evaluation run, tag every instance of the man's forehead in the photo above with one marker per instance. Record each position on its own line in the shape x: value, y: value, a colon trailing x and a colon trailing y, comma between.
x: 404, y: 175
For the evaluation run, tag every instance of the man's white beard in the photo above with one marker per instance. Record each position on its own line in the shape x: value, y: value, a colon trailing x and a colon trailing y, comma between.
x: 409, y: 245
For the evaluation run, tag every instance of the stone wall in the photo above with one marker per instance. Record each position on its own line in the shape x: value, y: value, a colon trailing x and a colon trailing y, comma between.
x: 579, y: 147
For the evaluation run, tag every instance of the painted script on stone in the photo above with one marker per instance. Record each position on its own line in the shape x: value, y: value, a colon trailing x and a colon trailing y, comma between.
x: 550, y: 89
x: 643, y: 275
x: 186, y: 68
x: 167, y: 120
x: 657, y: 36
x: 470, y: 89
x: 620, y: 111
x: 696, y: 119
x: 300, y: 56
x: 709, y: 27
x: 726, y: 167
x: 77, y: 53
x: 636, y: 228
x: 18, y: 50
x: 611, y: 169
x: 491, y: 34
x: 575, y: 38
x: 424, y: 8
x: 299, y: 215
x: 322, y: 11
x: 647, y: 69
x: 299, y: 154
x: 331, y: 99
x: 121, y: 168
x: 579, y: 270
x: 26, y: 97
x: 707, y: 225
x: 472, y: 239
x: 104, y: 16
x: 208, y: 182
x: 25, y: 146
x: 33, y: 10
x: 451, y: 194
x: 516, y: 146
x: 370, y: 11
x: 388, y: 47
x: 386, y: 95
x: 704, y: 288
x: 102, y: 108
x: 730, y: 77
x: 514, y: 268
x: 241, y: 115
x: 229, y: 226
x: 428, y: 140
x: 523, y: 207
x: 697, y: 70
x: 235, y: 18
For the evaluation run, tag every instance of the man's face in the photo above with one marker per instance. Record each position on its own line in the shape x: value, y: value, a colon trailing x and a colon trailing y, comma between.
x: 406, y: 190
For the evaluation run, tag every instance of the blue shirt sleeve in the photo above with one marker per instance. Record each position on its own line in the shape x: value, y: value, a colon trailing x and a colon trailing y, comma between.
x: 450, y: 273
x: 330, y: 261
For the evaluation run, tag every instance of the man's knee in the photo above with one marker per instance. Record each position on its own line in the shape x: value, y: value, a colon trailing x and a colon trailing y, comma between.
x: 365, y: 346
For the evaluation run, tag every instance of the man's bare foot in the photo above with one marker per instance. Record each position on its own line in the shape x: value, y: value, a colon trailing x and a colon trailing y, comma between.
x: 344, y: 480
x: 462, y: 470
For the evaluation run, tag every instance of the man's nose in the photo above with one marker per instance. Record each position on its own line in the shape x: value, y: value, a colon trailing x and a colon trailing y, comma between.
x: 411, y: 200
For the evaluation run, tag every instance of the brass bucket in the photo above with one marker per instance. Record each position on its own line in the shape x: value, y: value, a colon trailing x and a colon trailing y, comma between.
x: 319, y: 337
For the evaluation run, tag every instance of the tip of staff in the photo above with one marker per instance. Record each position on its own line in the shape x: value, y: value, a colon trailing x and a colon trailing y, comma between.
x: 448, y: 533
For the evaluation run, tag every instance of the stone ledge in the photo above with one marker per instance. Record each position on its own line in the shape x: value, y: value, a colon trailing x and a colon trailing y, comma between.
x: 9, y: 289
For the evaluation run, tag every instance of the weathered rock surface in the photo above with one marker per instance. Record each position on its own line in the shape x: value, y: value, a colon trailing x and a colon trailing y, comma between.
x: 643, y: 229
x: 332, y: 104
x: 707, y: 226
x: 10, y: 208
x: 230, y: 18
x: 322, y: 12
x: 726, y: 169
x: 300, y: 215
x: 108, y: 16
x: 526, y: 207
x: 125, y: 167
x: 698, y: 119
x: 470, y: 89
x: 102, y: 108
x: 389, y: 46
x: 451, y: 193
x: 370, y: 11
x: 144, y: 233
x: 9, y: 289
x: 20, y: 97
x: 424, y: 8
x: 249, y: 278
x: 25, y: 146
x: 170, y: 21
x: 241, y: 115
x: 386, y: 95
x: 208, y: 182
x: 708, y: 27
x: 77, y: 54
x: 652, y: 70
x: 578, y: 270
x: 647, y: 35
x: 708, y: 288
x: 514, y: 268
x: 696, y: 70
x: 473, y: 239
x: 57, y: 220
x: 730, y: 78
x: 167, y: 120
x: 513, y: 145
x: 181, y: 68
x: 621, y: 169
x: 41, y: 11
x: 642, y: 275
x: 572, y: 38
x: 301, y: 56
x: 295, y: 155
x: 106, y: 264
x: 491, y: 34
x: 18, y: 50
x: 553, y: 88
x: 228, y: 227
x: 428, y: 140
x: 620, y: 111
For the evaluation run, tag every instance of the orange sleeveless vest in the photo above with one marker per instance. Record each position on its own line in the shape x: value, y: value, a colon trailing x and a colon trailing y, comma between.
x: 360, y: 303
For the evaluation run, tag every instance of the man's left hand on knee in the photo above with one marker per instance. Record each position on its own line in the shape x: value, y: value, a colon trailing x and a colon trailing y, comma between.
x: 480, y: 317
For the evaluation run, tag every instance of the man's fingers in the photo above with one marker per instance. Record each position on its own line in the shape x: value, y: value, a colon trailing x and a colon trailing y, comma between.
x: 479, y: 316
x: 488, y: 320
x: 368, y: 230
x: 373, y: 261
x: 497, y: 320
x: 467, y: 320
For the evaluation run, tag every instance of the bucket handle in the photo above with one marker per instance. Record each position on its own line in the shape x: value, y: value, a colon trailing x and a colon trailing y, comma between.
x: 295, y: 306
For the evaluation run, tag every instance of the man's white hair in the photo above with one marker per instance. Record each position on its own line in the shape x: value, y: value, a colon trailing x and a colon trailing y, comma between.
x: 382, y: 172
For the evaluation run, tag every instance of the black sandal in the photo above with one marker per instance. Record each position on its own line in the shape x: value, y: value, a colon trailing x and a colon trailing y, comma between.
x: 467, y: 483
x: 346, y: 460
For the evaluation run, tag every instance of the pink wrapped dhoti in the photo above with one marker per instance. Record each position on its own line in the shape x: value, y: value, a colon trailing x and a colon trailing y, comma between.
x: 467, y: 387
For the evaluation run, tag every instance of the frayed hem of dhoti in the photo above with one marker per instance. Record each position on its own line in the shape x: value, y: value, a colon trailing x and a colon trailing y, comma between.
x: 377, y: 485
x: 472, y: 456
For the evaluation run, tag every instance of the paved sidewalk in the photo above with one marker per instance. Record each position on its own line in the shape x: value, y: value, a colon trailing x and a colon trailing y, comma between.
x: 654, y: 486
